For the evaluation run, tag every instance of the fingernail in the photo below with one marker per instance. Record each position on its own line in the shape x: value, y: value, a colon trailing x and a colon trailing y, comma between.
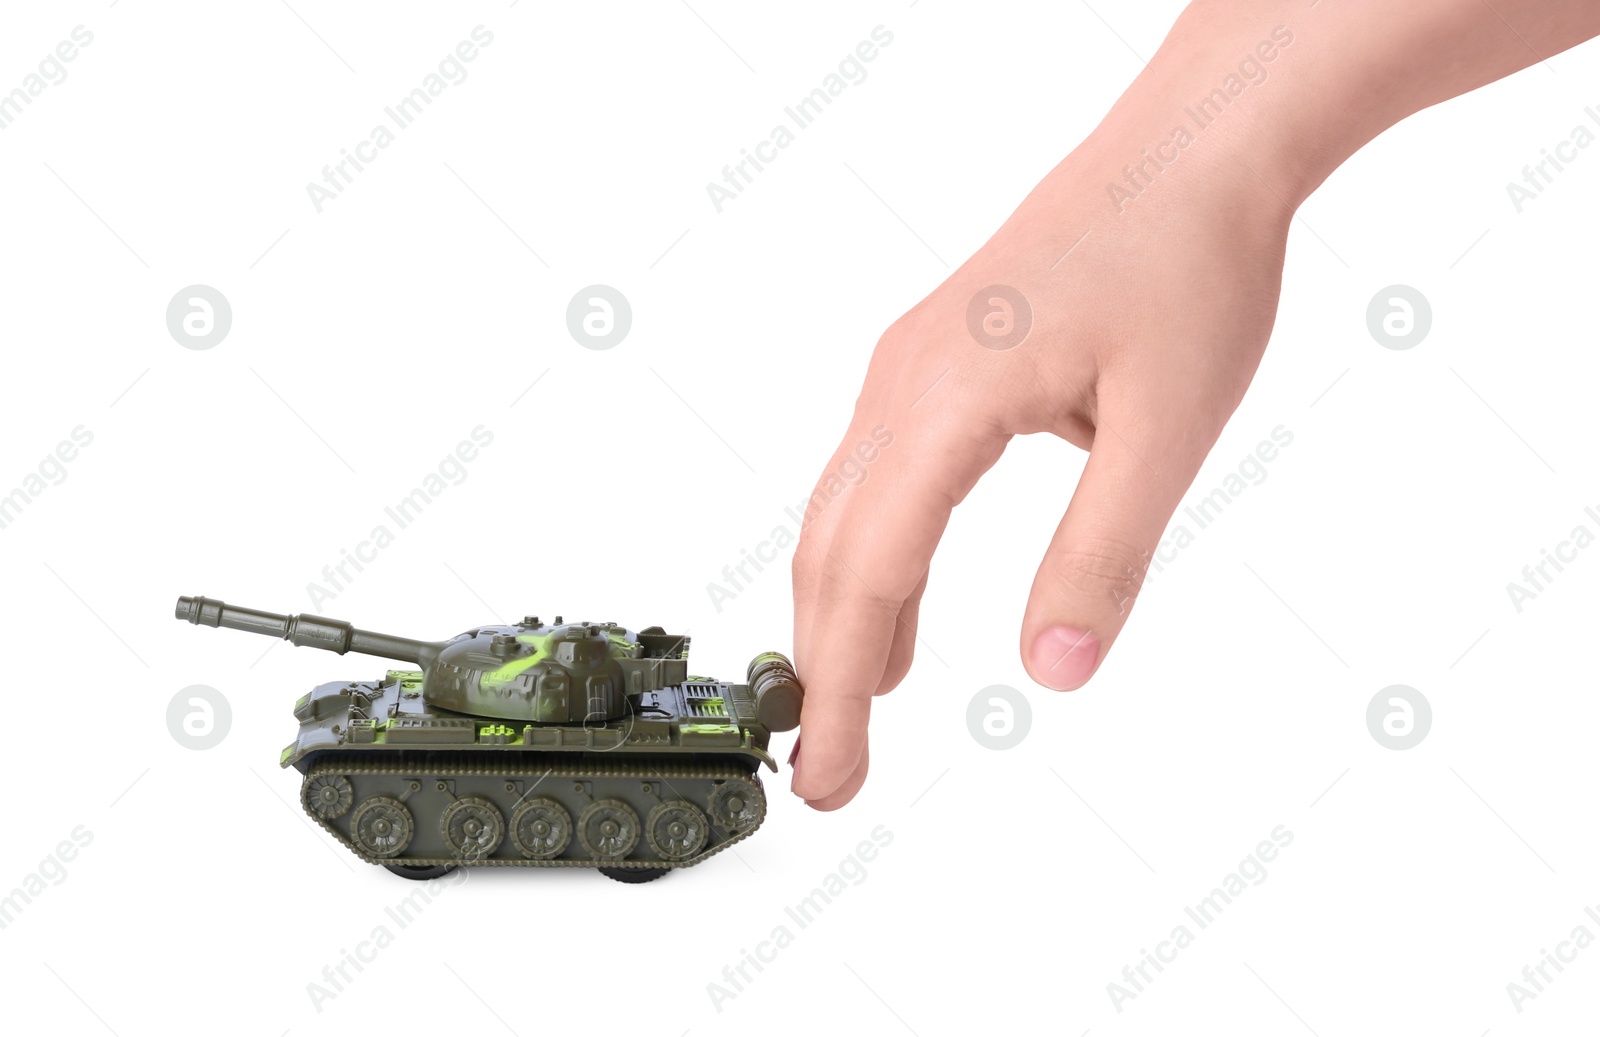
x: 1063, y: 657
x: 794, y: 775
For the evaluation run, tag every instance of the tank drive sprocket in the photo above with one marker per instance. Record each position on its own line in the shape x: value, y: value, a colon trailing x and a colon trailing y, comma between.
x: 737, y: 805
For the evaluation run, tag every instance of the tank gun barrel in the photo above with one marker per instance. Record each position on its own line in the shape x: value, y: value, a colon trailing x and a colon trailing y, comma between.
x: 330, y: 635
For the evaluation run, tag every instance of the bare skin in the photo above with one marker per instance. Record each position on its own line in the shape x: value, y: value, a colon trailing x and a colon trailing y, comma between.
x: 1143, y: 337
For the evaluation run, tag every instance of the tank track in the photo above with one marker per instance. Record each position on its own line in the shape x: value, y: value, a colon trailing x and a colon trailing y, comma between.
x: 426, y: 783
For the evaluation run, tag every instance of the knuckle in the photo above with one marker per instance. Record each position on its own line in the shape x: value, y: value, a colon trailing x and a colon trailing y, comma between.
x: 807, y: 566
x: 893, y: 348
x: 818, y: 571
x: 1107, y: 571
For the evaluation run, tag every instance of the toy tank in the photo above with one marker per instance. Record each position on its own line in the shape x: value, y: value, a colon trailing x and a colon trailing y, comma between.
x: 554, y: 745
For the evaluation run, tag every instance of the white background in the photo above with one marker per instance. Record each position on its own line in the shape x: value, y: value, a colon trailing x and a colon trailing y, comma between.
x: 369, y: 339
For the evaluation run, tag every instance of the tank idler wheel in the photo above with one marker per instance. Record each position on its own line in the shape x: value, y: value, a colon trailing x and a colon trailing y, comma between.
x: 329, y: 795
x: 421, y: 871
x: 634, y: 875
x: 472, y: 827
x: 382, y: 827
x: 609, y: 829
x: 677, y: 830
x: 541, y: 828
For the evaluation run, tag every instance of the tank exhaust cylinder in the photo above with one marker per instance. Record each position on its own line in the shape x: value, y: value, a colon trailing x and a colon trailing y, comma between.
x: 777, y: 690
x: 330, y: 635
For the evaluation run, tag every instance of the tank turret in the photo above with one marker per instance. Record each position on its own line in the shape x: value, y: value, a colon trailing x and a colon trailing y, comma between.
x: 548, y: 673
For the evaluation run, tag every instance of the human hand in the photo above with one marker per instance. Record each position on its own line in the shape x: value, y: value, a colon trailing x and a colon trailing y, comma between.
x: 1143, y: 338
x: 1146, y: 269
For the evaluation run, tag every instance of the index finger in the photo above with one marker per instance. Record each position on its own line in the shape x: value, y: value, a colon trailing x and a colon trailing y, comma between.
x: 860, y: 559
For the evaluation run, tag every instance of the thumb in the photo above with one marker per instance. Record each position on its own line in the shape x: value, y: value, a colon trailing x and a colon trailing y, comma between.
x: 1097, y: 561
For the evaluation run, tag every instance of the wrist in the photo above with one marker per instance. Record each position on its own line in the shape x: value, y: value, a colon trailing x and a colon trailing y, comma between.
x: 1229, y: 107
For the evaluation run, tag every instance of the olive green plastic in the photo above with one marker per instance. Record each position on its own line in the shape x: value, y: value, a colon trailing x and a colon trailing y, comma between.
x: 533, y: 744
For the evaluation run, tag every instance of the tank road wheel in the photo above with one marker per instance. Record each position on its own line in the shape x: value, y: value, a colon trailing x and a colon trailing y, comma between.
x: 676, y: 830
x: 541, y: 828
x: 609, y: 829
x: 382, y: 827
x: 420, y: 871
x: 472, y: 827
x: 634, y: 874
x: 329, y: 795
x: 737, y: 805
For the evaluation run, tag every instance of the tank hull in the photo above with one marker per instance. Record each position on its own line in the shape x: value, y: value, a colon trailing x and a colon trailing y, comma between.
x: 697, y: 718
x: 402, y: 783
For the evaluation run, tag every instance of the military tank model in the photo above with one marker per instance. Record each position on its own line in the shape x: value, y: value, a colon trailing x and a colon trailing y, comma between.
x: 552, y: 745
